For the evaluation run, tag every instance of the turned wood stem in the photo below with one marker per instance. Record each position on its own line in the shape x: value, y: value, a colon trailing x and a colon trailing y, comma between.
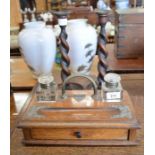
x: 64, y: 48
x: 102, y: 52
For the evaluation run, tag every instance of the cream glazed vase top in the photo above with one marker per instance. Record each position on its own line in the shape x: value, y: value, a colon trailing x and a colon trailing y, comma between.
x: 82, y: 40
x: 38, y: 47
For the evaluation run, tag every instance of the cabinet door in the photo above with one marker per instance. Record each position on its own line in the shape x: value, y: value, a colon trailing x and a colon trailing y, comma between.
x: 41, y: 5
x: 15, y: 15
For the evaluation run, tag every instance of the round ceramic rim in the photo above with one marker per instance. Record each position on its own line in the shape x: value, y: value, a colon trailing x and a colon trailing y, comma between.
x: 36, y: 24
x: 77, y: 20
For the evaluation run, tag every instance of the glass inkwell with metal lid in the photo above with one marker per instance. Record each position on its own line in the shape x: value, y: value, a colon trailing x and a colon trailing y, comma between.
x: 112, y: 89
x: 46, y: 90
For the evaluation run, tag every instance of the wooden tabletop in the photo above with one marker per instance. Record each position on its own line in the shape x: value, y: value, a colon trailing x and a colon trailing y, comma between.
x: 22, y: 79
x: 134, y: 85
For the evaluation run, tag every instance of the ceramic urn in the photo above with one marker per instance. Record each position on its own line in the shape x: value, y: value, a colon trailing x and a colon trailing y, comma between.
x: 38, y: 47
x: 82, y: 40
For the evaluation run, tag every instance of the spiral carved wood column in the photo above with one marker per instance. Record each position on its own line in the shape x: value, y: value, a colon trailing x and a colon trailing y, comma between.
x: 101, y: 50
x: 64, y: 48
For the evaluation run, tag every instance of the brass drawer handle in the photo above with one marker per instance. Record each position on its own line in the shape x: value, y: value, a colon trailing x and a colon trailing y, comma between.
x: 78, y: 134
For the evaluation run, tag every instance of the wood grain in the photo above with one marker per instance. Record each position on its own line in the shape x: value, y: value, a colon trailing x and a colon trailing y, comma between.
x: 101, y: 134
x: 15, y: 15
x: 64, y: 113
x: 41, y: 5
x: 132, y: 134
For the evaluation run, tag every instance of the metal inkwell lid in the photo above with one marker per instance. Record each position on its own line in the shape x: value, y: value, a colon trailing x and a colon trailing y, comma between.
x: 45, y: 81
x: 112, y: 80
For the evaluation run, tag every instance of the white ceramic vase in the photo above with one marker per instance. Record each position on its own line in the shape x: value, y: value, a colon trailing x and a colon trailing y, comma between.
x: 122, y: 4
x: 101, y: 5
x: 82, y: 40
x: 38, y: 47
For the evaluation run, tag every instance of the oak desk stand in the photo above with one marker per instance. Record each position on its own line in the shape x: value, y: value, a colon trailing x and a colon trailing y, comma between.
x: 75, y: 121
x: 66, y: 122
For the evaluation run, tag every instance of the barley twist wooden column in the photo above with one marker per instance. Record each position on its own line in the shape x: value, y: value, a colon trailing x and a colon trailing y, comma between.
x: 101, y: 50
x: 64, y: 47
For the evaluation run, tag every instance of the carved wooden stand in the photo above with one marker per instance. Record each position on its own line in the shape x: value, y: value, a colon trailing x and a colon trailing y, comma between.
x: 78, y: 117
x: 64, y: 48
x: 102, y: 52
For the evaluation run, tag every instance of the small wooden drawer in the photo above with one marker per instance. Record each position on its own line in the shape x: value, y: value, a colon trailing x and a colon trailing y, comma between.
x: 98, y: 134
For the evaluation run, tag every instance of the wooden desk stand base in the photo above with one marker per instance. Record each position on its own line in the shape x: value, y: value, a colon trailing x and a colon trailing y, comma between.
x: 67, y: 123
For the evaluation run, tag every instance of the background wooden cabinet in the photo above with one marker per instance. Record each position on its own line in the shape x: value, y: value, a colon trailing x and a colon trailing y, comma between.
x: 15, y: 15
x: 42, y: 5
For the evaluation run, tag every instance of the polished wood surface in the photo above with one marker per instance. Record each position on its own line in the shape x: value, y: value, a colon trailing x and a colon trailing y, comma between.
x: 131, y: 82
x: 59, y: 122
x: 97, y: 112
x: 22, y: 79
x: 15, y: 15
x: 57, y: 134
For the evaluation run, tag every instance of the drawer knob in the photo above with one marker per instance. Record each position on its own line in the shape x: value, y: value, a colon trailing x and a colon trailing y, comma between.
x: 78, y: 134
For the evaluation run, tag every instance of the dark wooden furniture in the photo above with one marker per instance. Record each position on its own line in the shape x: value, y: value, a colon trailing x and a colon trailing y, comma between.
x: 130, y: 33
